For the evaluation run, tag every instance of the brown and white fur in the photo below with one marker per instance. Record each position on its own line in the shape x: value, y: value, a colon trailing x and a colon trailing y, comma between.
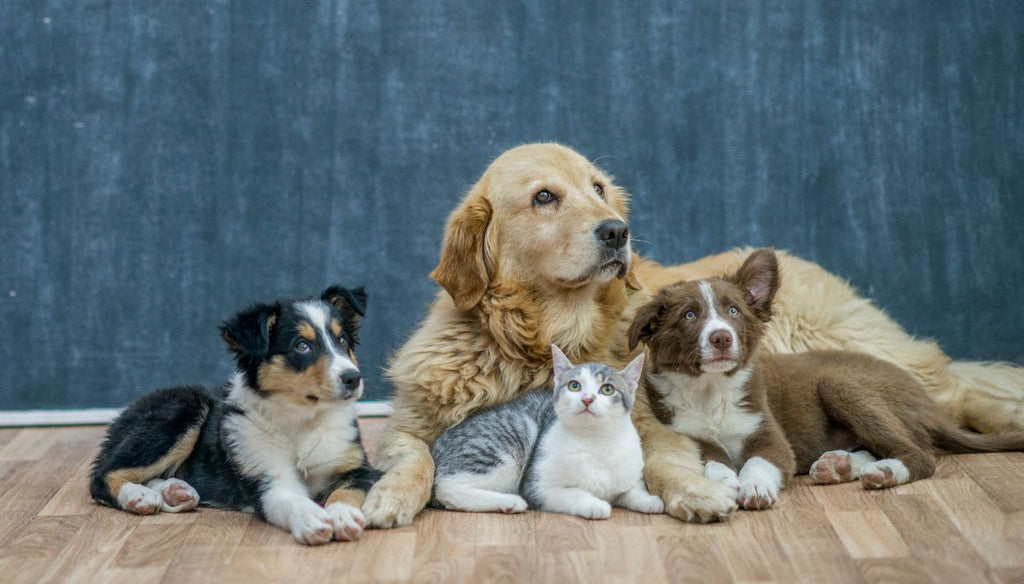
x: 518, y: 277
x: 760, y: 417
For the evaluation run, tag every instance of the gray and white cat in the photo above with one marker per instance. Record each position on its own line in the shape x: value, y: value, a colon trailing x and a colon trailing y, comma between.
x: 574, y: 452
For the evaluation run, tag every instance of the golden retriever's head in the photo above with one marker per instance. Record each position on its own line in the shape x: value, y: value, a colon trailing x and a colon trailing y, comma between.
x: 541, y: 214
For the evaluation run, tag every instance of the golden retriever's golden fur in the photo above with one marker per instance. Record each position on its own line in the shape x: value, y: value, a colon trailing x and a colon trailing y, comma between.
x: 520, y: 275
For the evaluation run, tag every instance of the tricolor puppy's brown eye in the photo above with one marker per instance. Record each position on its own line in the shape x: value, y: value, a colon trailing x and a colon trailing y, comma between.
x: 544, y: 197
x: 574, y: 385
x: 302, y: 347
x: 599, y: 190
x: 690, y: 315
x: 607, y: 389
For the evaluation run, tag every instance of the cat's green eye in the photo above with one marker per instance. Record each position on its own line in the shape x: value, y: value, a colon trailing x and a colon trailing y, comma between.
x: 574, y: 385
x: 607, y: 389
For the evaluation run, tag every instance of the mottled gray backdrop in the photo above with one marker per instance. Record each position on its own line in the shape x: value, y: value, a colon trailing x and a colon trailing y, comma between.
x: 164, y: 164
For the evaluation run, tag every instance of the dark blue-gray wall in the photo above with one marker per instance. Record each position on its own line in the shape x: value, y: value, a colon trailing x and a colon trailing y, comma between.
x: 164, y: 164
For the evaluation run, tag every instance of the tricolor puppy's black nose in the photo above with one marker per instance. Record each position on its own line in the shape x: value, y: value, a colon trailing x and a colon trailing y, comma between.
x: 350, y: 379
x: 613, y: 233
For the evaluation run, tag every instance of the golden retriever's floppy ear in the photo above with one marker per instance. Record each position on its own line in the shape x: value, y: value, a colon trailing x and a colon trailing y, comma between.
x: 646, y: 322
x: 462, y: 270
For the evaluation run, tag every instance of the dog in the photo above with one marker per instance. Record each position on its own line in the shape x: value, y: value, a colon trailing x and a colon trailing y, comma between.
x: 525, y: 264
x: 280, y: 438
x: 829, y: 413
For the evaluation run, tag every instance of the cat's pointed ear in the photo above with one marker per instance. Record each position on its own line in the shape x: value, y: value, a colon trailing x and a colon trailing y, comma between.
x: 561, y: 363
x: 633, y: 371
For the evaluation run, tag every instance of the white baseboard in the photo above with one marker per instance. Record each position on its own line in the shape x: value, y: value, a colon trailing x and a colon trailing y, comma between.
x: 92, y: 416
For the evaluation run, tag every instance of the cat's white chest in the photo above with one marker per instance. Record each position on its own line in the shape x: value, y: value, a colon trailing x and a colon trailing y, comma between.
x: 605, y: 468
x: 711, y: 407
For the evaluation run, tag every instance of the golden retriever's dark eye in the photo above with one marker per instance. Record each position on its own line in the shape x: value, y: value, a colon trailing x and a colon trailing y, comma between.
x: 544, y: 197
x: 599, y: 190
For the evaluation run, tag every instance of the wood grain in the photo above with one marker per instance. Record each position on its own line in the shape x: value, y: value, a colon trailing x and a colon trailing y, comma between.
x: 964, y: 525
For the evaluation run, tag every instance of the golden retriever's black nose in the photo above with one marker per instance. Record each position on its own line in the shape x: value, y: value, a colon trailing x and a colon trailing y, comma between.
x: 613, y: 233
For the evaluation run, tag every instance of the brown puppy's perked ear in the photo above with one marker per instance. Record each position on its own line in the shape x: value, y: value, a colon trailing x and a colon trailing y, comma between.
x: 463, y: 270
x: 646, y: 322
x: 759, y: 278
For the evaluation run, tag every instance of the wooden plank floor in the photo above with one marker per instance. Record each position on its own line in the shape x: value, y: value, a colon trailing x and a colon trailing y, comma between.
x: 964, y: 525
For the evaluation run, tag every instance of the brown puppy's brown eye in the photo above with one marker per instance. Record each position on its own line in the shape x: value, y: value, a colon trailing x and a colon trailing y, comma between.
x: 544, y: 197
x: 599, y: 190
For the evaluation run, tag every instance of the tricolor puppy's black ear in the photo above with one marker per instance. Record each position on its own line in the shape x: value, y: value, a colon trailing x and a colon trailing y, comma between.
x: 351, y: 303
x: 248, y: 333
x: 646, y: 322
x: 759, y: 278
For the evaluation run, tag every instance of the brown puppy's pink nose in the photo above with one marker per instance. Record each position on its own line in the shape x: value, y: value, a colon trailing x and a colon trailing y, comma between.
x: 721, y: 339
x: 587, y: 400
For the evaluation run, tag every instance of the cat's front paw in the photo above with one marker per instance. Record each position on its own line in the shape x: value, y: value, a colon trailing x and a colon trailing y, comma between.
x: 312, y: 525
x: 348, y: 521
x: 593, y: 509
x: 649, y: 504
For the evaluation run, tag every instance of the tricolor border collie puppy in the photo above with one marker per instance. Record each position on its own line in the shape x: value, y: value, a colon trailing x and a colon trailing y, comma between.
x: 760, y: 417
x: 279, y: 439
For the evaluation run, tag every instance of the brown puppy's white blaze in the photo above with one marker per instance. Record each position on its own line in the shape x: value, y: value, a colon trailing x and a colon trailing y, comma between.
x: 709, y: 325
x: 542, y: 215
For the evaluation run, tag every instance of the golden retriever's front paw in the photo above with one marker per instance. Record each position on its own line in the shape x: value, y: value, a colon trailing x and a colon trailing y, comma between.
x: 387, y: 505
x: 700, y: 500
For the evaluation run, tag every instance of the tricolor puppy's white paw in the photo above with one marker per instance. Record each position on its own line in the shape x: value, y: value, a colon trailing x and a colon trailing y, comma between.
x: 138, y: 499
x: 176, y: 495
x: 312, y: 525
x: 883, y: 474
x: 348, y: 521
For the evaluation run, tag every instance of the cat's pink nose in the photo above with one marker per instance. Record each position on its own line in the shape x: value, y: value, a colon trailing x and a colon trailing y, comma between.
x: 587, y: 399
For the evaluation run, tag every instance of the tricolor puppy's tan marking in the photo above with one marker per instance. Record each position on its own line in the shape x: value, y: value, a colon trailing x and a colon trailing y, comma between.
x: 767, y: 416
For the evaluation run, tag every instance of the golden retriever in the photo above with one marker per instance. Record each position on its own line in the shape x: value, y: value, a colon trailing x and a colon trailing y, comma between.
x: 538, y: 254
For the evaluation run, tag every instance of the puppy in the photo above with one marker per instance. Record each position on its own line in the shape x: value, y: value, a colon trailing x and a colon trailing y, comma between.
x: 280, y: 438
x: 830, y: 413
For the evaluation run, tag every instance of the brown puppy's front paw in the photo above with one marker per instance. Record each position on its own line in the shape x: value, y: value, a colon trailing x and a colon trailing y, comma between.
x: 831, y: 468
x: 388, y: 505
x: 883, y: 474
x: 700, y: 500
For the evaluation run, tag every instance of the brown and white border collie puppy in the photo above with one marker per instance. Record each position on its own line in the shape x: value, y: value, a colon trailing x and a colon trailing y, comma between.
x: 280, y: 438
x: 838, y: 415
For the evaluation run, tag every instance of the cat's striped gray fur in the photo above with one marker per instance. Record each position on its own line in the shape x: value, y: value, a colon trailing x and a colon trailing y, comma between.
x: 573, y: 450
